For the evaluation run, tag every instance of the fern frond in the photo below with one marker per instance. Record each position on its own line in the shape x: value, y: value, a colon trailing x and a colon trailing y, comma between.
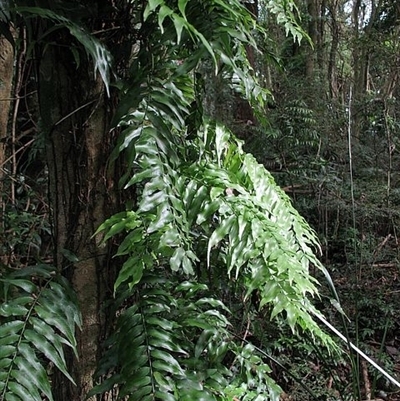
x: 94, y: 48
x: 38, y: 318
x: 252, y: 381
x: 204, y: 207
x: 168, y: 345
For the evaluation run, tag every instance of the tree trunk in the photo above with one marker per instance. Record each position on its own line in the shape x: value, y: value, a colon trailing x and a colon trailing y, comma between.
x: 243, y: 110
x: 332, y: 64
x: 73, y: 110
x: 312, y: 32
x: 6, y: 75
x: 361, y: 61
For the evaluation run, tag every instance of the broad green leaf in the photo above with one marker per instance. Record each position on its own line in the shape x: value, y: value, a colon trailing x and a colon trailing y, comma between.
x: 152, y: 201
x: 179, y: 24
x: 31, y: 390
x: 12, y: 397
x: 164, y: 12
x: 151, y: 7
x: 197, y: 323
x: 12, y: 327
x: 168, y: 358
x: 52, y: 315
x: 57, y: 303
x: 7, y: 350
x: 130, y: 241
x: 156, y: 308
x: 105, y: 385
x: 168, y: 366
x: 115, y: 229
x: 198, y: 395
x: 187, y: 265
x: 162, y: 339
x: 9, y: 339
x: 15, y: 307
x: 171, y: 238
x: 221, y: 143
x: 5, y: 363
x: 191, y: 191
x: 111, y: 221
x: 182, y: 6
x: 131, y: 270
x: 164, y: 324
x: 137, y: 379
x: 29, y: 366
x: 70, y: 256
x: 142, y: 393
x: 207, y: 211
x: 26, y: 285
x: 64, y: 293
x: 203, y: 342
x: 132, y: 357
x: 51, y: 353
x: 41, y: 270
x: 215, y: 303
x: 176, y: 259
x: 20, y: 391
x: 191, y: 288
x: 218, y: 234
x: 163, y: 217
x: 100, y: 55
x: 205, y: 43
x: 48, y: 332
x: 163, y: 381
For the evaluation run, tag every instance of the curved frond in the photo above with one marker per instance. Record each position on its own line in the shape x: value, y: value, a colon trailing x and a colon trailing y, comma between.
x: 168, y: 345
x: 38, y: 319
x: 204, y: 207
x: 94, y: 48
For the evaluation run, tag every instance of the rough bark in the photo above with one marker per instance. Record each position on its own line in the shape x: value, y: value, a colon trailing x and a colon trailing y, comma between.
x: 73, y: 110
x: 6, y: 75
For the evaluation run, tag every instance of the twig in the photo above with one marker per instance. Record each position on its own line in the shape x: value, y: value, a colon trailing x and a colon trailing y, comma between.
x: 382, y: 244
x: 246, y: 333
x: 367, y: 384
x: 73, y: 112
x: 17, y: 151
x: 11, y: 99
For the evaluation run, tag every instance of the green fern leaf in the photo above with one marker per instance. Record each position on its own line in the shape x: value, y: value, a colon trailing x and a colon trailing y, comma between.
x: 28, y: 365
x: 50, y: 352
x: 100, y: 55
x: 36, y: 324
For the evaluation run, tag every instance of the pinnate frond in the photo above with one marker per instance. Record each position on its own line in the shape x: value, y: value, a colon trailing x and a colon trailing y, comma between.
x: 38, y: 319
x: 168, y: 345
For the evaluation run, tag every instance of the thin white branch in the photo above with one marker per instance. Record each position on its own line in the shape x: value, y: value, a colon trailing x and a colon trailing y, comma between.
x: 359, y: 352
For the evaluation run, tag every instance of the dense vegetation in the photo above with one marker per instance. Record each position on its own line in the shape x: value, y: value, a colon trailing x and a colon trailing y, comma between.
x: 147, y: 253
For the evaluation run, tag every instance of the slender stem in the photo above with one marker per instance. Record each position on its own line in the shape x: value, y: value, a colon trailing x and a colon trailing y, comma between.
x: 355, y: 362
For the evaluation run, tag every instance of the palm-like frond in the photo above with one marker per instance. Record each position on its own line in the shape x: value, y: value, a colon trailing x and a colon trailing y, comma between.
x: 38, y: 319
x: 169, y: 344
x: 203, y: 204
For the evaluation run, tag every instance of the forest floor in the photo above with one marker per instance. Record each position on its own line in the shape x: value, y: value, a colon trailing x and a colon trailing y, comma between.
x: 370, y: 297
